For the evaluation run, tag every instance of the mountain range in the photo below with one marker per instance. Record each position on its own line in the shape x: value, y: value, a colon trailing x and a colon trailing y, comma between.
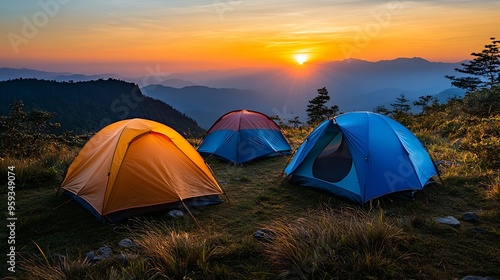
x: 84, y: 107
x: 352, y: 84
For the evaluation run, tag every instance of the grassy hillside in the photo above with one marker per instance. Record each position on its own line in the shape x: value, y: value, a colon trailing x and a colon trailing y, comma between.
x: 317, y: 236
x: 84, y: 107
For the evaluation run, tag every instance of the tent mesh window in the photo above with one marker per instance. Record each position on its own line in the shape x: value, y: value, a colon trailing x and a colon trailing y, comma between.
x: 335, y: 160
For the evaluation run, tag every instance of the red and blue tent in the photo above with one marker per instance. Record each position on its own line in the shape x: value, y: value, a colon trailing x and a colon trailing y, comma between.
x: 243, y: 135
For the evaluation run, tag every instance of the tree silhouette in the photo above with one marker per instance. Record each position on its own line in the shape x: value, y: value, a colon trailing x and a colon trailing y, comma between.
x: 381, y: 109
x: 295, y: 122
x: 483, y: 71
x: 24, y: 133
x: 425, y: 102
x: 317, y: 111
x: 401, y: 106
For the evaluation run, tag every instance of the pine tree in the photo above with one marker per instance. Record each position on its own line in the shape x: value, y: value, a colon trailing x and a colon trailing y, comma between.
x: 483, y: 71
x: 317, y: 111
x: 381, y: 109
x: 424, y: 101
x: 401, y: 106
x: 295, y: 122
x: 483, y: 81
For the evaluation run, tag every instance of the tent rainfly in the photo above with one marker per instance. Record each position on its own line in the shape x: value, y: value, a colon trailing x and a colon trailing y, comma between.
x: 243, y: 135
x: 137, y: 166
x: 361, y: 156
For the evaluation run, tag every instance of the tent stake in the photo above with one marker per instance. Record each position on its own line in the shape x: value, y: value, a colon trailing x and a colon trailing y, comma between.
x: 191, y: 214
x: 438, y: 172
x: 217, y: 180
x: 64, y: 203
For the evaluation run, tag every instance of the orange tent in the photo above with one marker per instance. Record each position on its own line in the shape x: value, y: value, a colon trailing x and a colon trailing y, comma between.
x: 137, y: 166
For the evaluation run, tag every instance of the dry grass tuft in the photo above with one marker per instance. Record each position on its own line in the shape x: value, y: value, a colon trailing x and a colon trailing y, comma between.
x: 341, y: 244
x: 174, y: 254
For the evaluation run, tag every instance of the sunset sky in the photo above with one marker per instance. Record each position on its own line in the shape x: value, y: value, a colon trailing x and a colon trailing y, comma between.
x: 111, y: 36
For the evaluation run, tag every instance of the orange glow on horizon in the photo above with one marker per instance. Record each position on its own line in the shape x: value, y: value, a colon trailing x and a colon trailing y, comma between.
x: 192, y: 36
x: 301, y: 58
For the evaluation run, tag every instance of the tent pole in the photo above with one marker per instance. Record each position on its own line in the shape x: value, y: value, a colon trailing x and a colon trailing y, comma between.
x: 288, y: 161
x: 191, y: 214
x: 227, y: 197
x: 58, y: 189
x: 437, y: 170
x: 439, y: 173
x: 64, y: 203
x: 285, y: 180
x: 217, y: 180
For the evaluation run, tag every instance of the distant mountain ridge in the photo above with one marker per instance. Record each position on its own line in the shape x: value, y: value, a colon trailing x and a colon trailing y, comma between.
x: 89, y: 106
x: 353, y: 84
x: 16, y: 73
x: 205, y: 104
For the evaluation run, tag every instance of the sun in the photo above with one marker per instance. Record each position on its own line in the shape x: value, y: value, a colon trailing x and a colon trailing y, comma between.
x: 301, y: 58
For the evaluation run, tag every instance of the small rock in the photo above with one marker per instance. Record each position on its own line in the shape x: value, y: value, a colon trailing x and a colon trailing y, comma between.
x: 479, y: 230
x: 473, y: 277
x: 470, y: 217
x: 449, y: 220
x: 90, y: 256
x: 59, y: 259
x: 126, y: 258
x: 265, y: 235
x: 104, y: 252
x: 175, y: 214
x: 126, y: 243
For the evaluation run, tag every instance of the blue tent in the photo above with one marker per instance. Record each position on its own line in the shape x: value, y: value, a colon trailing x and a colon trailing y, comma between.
x: 243, y: 135
x: 361, y: 156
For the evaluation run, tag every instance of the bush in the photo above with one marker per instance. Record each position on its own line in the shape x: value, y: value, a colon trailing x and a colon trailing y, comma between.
x: 44, y: 170
x: 484, y: 102
x: 481, y: 136
x: 24, y: 134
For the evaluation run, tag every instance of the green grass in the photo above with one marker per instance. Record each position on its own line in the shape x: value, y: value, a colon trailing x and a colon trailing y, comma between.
x: 392, y: 239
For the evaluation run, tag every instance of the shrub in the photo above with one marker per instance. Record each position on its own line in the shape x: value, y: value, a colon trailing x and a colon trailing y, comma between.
x: 493, y: 189
x: 44, y: 170
x: 23, y: 133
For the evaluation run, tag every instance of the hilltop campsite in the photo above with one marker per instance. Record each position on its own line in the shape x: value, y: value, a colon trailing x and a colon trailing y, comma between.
x: 250, y: 140
x: 266, y: 228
